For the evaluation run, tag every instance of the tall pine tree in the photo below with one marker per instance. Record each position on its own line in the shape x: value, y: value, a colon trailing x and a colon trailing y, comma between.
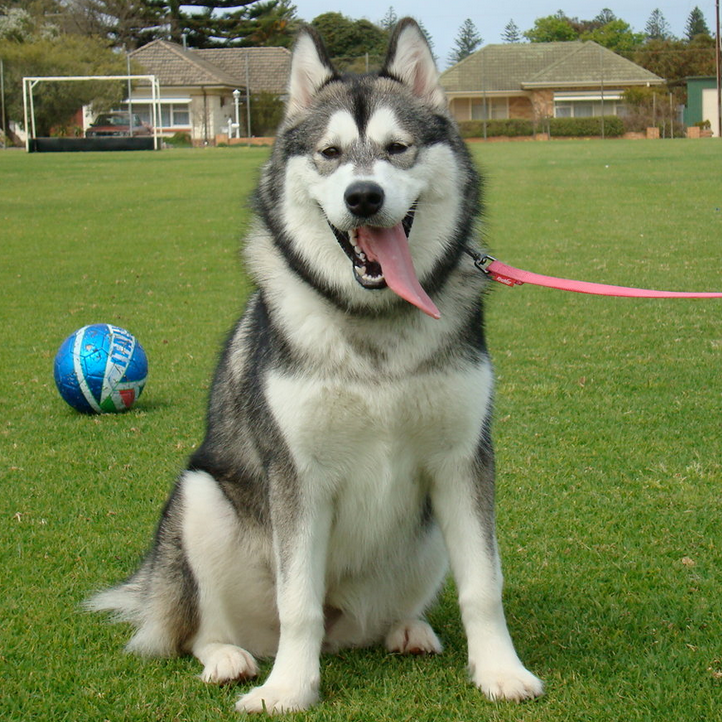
x: 657, y: 27
x: 696, y: 25
x: 467, y: 41
x: 511, y: 33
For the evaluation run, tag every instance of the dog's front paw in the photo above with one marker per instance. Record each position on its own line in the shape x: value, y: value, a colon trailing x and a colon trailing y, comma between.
x: 413, y: 636
x: 228, y: 663
x: 514, y: 683
x: 275, y: 698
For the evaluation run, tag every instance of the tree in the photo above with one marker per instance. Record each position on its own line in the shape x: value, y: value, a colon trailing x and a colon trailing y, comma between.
x: 348, y: 38
x: 56, y: 103
x: 605, y: 17
x: 511, y: 33
x: 616, y: 35
x: 125, y: 24
x: 197, y: 23
x: 552, y: 28
x: 467, y: 41
x: 270, y: 23
x: 696, y: 25
x: 675, y: 60
x: 657, y: 27
x: 21, y: 22
x: 388, y: 21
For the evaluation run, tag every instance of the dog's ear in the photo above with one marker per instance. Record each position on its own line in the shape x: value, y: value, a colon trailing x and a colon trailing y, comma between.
x: 409, y: 60
x: 311, y: 68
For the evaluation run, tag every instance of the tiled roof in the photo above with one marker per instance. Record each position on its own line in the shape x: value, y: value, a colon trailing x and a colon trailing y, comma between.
x: 592, y: 63
x: 175, y: 66
x: 268, y: 68
x: 512, y: 67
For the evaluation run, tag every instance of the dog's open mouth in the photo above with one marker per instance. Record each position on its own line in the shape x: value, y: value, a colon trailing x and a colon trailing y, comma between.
x: 381, y: 258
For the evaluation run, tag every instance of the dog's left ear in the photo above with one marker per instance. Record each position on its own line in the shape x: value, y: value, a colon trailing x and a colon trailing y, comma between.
x: 311, y: 68
x: 410, y: 61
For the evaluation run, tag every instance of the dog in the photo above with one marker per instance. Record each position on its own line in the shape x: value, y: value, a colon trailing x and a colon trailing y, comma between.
x: 348, y: 459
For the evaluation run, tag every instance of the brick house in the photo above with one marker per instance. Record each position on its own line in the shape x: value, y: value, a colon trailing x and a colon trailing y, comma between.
x: 533, y: 81
x: 197, y: 85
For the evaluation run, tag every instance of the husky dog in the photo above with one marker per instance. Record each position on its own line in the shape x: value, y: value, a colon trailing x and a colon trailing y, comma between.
x: 348, y: 454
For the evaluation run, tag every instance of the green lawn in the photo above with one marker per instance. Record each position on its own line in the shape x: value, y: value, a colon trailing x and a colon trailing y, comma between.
x: 608, y: 430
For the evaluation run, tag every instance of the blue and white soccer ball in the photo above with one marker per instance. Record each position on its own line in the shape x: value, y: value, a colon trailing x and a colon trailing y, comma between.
x: 100, y: 368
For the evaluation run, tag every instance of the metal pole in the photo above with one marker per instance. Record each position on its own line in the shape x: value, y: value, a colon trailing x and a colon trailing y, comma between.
x: 155, y: 94
x: 484, y: 111
x: 719, y: 73
x: 31, y: 85
x: 2, y: 103
x: 601, y: 83
x: 130, y: 94
x: 248, y: 102
x: 25, y: 113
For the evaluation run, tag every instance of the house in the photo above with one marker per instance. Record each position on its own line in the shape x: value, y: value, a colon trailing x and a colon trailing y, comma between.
x: 197, y: 86
x: 702, y: 103
x: 542, y: 80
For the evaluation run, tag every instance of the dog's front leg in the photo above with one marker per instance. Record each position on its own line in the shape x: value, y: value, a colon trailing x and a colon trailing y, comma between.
x: 300, y: 537
x: 463, y: 499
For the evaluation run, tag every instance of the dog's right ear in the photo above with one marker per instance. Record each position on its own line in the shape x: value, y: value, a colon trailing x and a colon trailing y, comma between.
x: 311, y: 69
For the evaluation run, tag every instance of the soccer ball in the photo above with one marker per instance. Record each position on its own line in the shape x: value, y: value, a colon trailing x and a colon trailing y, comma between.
x: 100, y: 368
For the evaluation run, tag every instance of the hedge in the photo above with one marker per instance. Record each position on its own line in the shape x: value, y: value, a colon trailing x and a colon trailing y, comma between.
x: 585, y: 127
x: 557, y: 127
x: 509, y: 128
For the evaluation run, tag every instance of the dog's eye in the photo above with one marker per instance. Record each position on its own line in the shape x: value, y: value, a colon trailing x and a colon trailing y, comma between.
x: 396, y: 148
x: 331, y: 152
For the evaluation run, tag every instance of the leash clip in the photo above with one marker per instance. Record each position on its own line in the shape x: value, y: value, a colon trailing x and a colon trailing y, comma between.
x: 481, y: 262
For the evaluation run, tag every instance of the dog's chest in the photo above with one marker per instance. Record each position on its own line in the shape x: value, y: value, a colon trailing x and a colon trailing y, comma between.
x: 371, y: 447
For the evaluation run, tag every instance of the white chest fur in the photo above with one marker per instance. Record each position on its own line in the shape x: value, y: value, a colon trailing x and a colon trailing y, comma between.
x: 370, y: 448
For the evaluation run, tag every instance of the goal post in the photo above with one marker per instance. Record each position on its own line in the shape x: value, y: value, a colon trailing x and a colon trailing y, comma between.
x: 30, y: 82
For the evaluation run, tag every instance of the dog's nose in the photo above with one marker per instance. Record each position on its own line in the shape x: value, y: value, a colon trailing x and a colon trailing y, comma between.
x: 364, y: 198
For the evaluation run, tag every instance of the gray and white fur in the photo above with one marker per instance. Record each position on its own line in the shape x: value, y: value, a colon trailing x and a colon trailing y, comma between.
x: 348, y: 455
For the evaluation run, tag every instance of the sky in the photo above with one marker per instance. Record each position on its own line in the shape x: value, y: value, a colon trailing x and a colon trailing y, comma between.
x: 443, y: 18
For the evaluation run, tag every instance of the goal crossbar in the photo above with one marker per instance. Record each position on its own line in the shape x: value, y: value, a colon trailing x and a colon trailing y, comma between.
x: 29, y: 83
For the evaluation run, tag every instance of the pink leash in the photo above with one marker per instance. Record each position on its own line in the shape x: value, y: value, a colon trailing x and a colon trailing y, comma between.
x: 510, y: 276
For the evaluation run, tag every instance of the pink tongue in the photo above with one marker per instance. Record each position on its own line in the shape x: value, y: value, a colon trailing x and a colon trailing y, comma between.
x: 390, y: 248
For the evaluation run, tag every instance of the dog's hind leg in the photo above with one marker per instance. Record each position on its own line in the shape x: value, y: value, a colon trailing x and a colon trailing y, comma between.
x: 413, y: 636
x: 232, y: 593
x: 224, y: 663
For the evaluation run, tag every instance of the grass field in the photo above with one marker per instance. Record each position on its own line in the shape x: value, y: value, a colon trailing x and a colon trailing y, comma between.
x: 608, y: 431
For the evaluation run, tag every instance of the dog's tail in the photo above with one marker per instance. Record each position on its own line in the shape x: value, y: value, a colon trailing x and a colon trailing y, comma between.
x: 162, y: 609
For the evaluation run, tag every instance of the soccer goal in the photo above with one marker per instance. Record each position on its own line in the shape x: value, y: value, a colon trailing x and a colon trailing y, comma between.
x: 33, y: 143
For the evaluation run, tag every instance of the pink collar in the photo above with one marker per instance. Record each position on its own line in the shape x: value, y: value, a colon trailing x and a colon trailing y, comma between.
x: 510, y: 276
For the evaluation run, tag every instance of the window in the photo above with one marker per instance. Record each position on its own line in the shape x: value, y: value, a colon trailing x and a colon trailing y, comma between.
x: 489, y: 109
x: 172, y: 115
x: 572, y: 105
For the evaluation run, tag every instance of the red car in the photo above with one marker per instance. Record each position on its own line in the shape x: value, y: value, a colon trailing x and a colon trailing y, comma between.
x: 118, y: 125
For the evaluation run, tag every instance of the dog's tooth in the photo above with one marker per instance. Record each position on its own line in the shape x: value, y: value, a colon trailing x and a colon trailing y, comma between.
x: 362, y: 271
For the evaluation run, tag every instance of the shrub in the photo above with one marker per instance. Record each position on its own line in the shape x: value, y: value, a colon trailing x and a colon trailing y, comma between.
x: 559, y: 127
x: 586, y: 127
x: 512, y: 128
x: 180, y: 140
x: 266, y: 113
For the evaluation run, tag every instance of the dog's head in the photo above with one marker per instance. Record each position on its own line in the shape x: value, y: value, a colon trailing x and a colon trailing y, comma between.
x: 375, y: 178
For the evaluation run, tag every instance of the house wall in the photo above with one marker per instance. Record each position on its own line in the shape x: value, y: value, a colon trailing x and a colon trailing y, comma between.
x: 521, y: 108
x: 701, y: 102
x: 710, y: 109
x: 542, y: 102
x: 518, y: 106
